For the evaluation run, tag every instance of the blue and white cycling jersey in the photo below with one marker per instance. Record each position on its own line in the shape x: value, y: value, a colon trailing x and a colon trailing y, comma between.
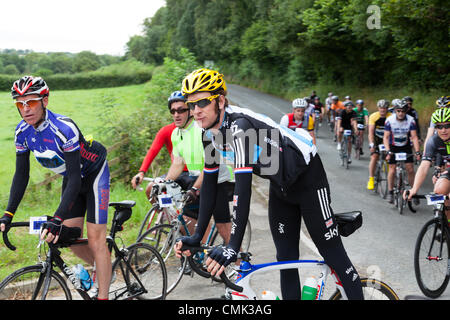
x: 400, y: 130
x: 54, y: 136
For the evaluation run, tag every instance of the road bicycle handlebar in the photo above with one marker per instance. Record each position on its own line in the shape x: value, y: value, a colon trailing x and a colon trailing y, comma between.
x: 5, y: 233
x: 67, y: 235
x: 206, y: 250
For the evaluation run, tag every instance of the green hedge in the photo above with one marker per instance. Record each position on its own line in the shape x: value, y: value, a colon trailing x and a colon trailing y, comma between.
x: 84, y: 80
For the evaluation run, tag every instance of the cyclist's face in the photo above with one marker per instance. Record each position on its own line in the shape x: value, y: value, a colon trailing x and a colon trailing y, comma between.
x: 443, y: 133
x: 206, y: 116
x: 299, y: 113
x: 32, y: 116
x: 181, y: 114
x: 401, y: 114
x: 383, y: 112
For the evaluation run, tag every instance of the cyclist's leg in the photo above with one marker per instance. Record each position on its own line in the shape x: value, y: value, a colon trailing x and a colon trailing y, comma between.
x: 285, y: 222
x: 322, y: 226
x: 97, y: 218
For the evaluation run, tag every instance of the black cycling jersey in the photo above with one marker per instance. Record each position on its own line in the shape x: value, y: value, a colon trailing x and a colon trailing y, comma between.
x: 435, y: 145
x: 346, y: 118
x: 255, y: 144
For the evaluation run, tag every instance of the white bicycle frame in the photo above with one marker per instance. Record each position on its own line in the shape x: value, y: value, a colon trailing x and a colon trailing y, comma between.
x: 247, y: 271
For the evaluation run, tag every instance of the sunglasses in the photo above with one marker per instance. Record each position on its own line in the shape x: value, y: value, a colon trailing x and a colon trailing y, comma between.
x: 401, y: 111
x: 179, y: 111
x: 31, y: 103
x: 203, y: 102
x: 442, y: 126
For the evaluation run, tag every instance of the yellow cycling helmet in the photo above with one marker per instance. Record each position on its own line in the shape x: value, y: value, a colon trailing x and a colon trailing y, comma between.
x: 203, y: 80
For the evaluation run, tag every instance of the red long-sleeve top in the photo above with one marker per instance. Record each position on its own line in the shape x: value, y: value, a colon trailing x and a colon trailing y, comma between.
x: 162, y: 138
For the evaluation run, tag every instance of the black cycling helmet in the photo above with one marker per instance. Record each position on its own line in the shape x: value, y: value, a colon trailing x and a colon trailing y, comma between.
x: 402, y: 104
x: 408, y: 99
x: 29, y: 85
x: 348, y: 103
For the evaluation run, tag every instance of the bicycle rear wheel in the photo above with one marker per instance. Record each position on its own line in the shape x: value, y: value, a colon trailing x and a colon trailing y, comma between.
x: 162, y: 237
x: 149, y: 274
x: 27, y: 284
x: 373, y: 290
x: 431, y: 256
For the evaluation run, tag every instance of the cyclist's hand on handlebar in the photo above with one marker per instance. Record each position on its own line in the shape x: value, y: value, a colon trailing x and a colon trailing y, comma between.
x: 5, y: 221
x: 189, y: 241
x: 137, y: 179
x: 191, y: 195
x: 408, y: 194
x: 52, y: 229
x: 219, y: 258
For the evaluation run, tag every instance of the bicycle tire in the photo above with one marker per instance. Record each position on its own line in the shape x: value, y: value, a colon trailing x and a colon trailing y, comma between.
x: 162, y: 237
x: 373, y: 290
x: 145, y: 223
x: 383, y: 185
x: 148, y: 265
x: 22, y: 284
x: 432, y: 274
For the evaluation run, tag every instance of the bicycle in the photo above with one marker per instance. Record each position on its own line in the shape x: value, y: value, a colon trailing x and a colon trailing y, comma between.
x: 139, y: 270
x: 241, y: 289
x: 401, y: 183
x: 317, y: 121
x: 169, y: 225
x: 343, y: 152
x: 432, y: 249
x: 381, y: 173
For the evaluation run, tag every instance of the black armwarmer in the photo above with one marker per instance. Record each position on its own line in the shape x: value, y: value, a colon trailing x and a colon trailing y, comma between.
x: 19, y: 182
x: 72, y: 189
x: 208, y: 193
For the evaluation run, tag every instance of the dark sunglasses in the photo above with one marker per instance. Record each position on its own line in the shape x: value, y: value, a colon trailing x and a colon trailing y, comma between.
x: 203, y: 102
x: 400, y: 110
x: 442, y: 126
x: 179, y: 111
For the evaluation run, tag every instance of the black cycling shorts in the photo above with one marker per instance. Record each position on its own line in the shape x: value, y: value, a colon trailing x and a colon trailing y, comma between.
x: 407, y: 149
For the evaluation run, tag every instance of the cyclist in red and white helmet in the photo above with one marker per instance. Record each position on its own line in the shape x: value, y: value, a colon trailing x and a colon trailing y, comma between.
x: 58, y: 145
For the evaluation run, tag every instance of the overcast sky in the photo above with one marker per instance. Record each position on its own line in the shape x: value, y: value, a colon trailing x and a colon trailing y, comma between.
x: 100, y: 26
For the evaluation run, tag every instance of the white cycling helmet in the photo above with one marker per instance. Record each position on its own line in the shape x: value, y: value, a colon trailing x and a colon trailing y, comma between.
x: 299, y: 103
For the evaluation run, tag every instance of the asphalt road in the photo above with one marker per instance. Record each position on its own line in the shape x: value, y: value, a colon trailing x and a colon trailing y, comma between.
x: 382, y: 248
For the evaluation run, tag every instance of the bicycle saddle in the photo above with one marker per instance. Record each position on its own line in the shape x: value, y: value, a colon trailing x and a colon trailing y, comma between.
x: 125, y: 204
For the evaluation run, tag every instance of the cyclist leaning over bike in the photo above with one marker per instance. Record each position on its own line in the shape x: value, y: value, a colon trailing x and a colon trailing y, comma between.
x: 438, y: 146
x: 298, y: 183
x: 58, y: 144
x: 298, y: 118
x: 399, y: 131
x: 362, y: 119
x: 346, y: 120
x: 336, y: 107
x: 319, y: 109
x: 375, y: 137
x: 164, y: 138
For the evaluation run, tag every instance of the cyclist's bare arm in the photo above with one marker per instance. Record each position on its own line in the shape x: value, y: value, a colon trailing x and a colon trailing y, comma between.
x: 371, y: 134
x: 176, y: 168
x: 419, y: 178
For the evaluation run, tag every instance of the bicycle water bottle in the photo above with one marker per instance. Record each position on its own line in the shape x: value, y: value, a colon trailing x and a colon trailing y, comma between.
x: 83, y: 276
x: 309, y: 290
x: 269, y: 295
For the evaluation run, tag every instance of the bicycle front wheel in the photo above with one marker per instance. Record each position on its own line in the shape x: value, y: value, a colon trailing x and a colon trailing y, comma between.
x: 140, y: 274
x: 373, y: 290
x: 382, y: 182
x: 28, y: 283
x: 162, y: 237
x: 431, y: 256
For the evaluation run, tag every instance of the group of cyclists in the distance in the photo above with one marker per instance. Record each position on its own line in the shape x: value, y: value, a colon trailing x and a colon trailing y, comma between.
x: 394, y: 126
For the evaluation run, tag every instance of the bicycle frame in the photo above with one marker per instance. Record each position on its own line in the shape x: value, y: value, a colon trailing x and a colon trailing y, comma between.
x: 248, y: 270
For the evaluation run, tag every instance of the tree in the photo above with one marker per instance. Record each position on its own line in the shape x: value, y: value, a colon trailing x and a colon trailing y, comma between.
x: 86, y: 61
